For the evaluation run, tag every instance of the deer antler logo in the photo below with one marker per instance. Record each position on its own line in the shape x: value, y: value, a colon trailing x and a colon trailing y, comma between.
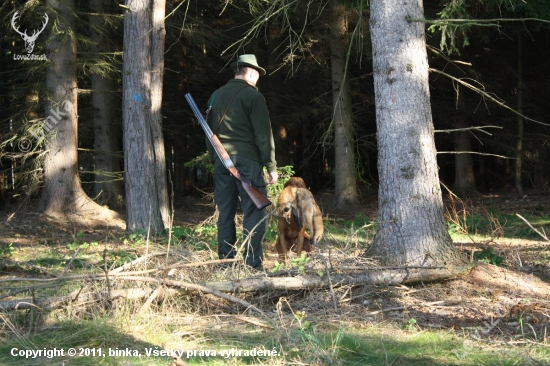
x: 29, y: 40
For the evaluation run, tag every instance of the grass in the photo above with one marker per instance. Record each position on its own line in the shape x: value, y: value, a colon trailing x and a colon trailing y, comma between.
x: 350, y: 235
x: 349, y: 344
x: 491, y: 223
x: 96, y: 342
x: 486, y: 225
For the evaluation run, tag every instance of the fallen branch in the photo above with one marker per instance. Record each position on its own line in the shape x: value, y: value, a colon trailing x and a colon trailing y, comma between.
x: 399, y: 308
x: 254, y: 321
x: 541, y: 234
x: 197, y: 287
x: 136, y: 261
x: 197, y: 264
x: 362, y: 268
x: 374, y: 277
x: 117, y: 271
x: 47, y: 303
x: 89, y: 277
x: 150, y: 300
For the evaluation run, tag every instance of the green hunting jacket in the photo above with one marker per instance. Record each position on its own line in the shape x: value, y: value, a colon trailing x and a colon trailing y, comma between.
x: 245, y: 129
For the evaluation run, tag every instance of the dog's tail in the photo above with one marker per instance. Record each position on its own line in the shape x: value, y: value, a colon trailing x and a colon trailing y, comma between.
x: 316, y: 226
x: 311, y: 214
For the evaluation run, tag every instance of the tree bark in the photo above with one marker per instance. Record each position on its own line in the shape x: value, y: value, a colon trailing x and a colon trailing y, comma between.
x: 158, y: 37
x: 106, y: 188
x: 519, y: 139
x: 345, y: 188
x: 412, y: 228
x: 144, y: 161
x: 62, y: 192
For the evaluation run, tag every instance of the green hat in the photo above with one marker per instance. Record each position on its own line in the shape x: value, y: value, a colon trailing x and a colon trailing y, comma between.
x: 248, y: 61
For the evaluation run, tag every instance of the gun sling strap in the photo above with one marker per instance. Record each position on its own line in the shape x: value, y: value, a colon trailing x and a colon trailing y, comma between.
x: 227, y: 108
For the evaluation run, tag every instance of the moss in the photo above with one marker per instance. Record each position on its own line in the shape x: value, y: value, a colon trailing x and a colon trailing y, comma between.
x: 407, y: 172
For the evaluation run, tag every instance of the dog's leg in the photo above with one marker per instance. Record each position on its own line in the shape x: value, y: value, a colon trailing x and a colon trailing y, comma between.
x: 282, y: 248
x: 307, y: 247
x: 300, y: 242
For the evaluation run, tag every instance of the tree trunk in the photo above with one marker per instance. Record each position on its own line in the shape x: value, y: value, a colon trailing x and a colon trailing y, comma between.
x: 62, y: 192
x: 464, y: 185
x: 345, y: 188
x: 412, y: 228
x: 158, y: 36
x: 540, y: 169
x: 106, y: 188
x: 144, y: 161
x: 519, y: 140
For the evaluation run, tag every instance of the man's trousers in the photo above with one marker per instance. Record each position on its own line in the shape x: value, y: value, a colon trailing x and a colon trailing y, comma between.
x: 228, y: 189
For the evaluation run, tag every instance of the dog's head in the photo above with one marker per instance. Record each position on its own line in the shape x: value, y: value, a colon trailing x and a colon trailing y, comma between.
x: 290, y: 214
x: 296, y: 182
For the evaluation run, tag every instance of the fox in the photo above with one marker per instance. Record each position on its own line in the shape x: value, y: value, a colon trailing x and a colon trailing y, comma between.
x: 297, y: 211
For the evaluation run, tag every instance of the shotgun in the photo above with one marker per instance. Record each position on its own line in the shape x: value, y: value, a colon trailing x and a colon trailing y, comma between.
x: 259, y: 200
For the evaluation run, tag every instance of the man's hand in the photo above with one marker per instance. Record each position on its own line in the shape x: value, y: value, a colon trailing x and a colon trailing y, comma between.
x: 273, y: 177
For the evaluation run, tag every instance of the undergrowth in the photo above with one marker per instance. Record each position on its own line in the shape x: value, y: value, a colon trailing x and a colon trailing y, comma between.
x: 464, y: 218
x: 313, y: 327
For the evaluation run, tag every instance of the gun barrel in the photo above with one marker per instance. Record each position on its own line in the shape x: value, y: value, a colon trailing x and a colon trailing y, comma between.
x: 218, y: 148
x: 198, y: 114
x: 257, y: 197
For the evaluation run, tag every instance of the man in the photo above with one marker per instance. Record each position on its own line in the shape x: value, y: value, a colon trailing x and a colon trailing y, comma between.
x: 238, y: 115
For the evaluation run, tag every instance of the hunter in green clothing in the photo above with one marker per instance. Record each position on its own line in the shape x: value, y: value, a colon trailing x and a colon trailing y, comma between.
x: 238, y: 115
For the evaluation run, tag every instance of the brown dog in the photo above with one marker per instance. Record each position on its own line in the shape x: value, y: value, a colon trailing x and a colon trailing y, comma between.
x: 297, y: 210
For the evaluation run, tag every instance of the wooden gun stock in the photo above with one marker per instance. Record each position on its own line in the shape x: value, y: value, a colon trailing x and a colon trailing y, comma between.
x: 259, y: 200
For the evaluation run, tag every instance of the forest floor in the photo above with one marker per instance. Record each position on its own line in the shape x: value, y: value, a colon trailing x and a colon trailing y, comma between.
x: 505, y: 300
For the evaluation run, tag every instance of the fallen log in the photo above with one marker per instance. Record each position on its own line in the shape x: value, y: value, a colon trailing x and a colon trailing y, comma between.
x: 222, y: 289
x: 394, y: 276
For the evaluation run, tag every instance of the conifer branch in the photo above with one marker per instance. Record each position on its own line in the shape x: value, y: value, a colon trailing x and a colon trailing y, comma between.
x: 476, y: 22
x: 486, y: 95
